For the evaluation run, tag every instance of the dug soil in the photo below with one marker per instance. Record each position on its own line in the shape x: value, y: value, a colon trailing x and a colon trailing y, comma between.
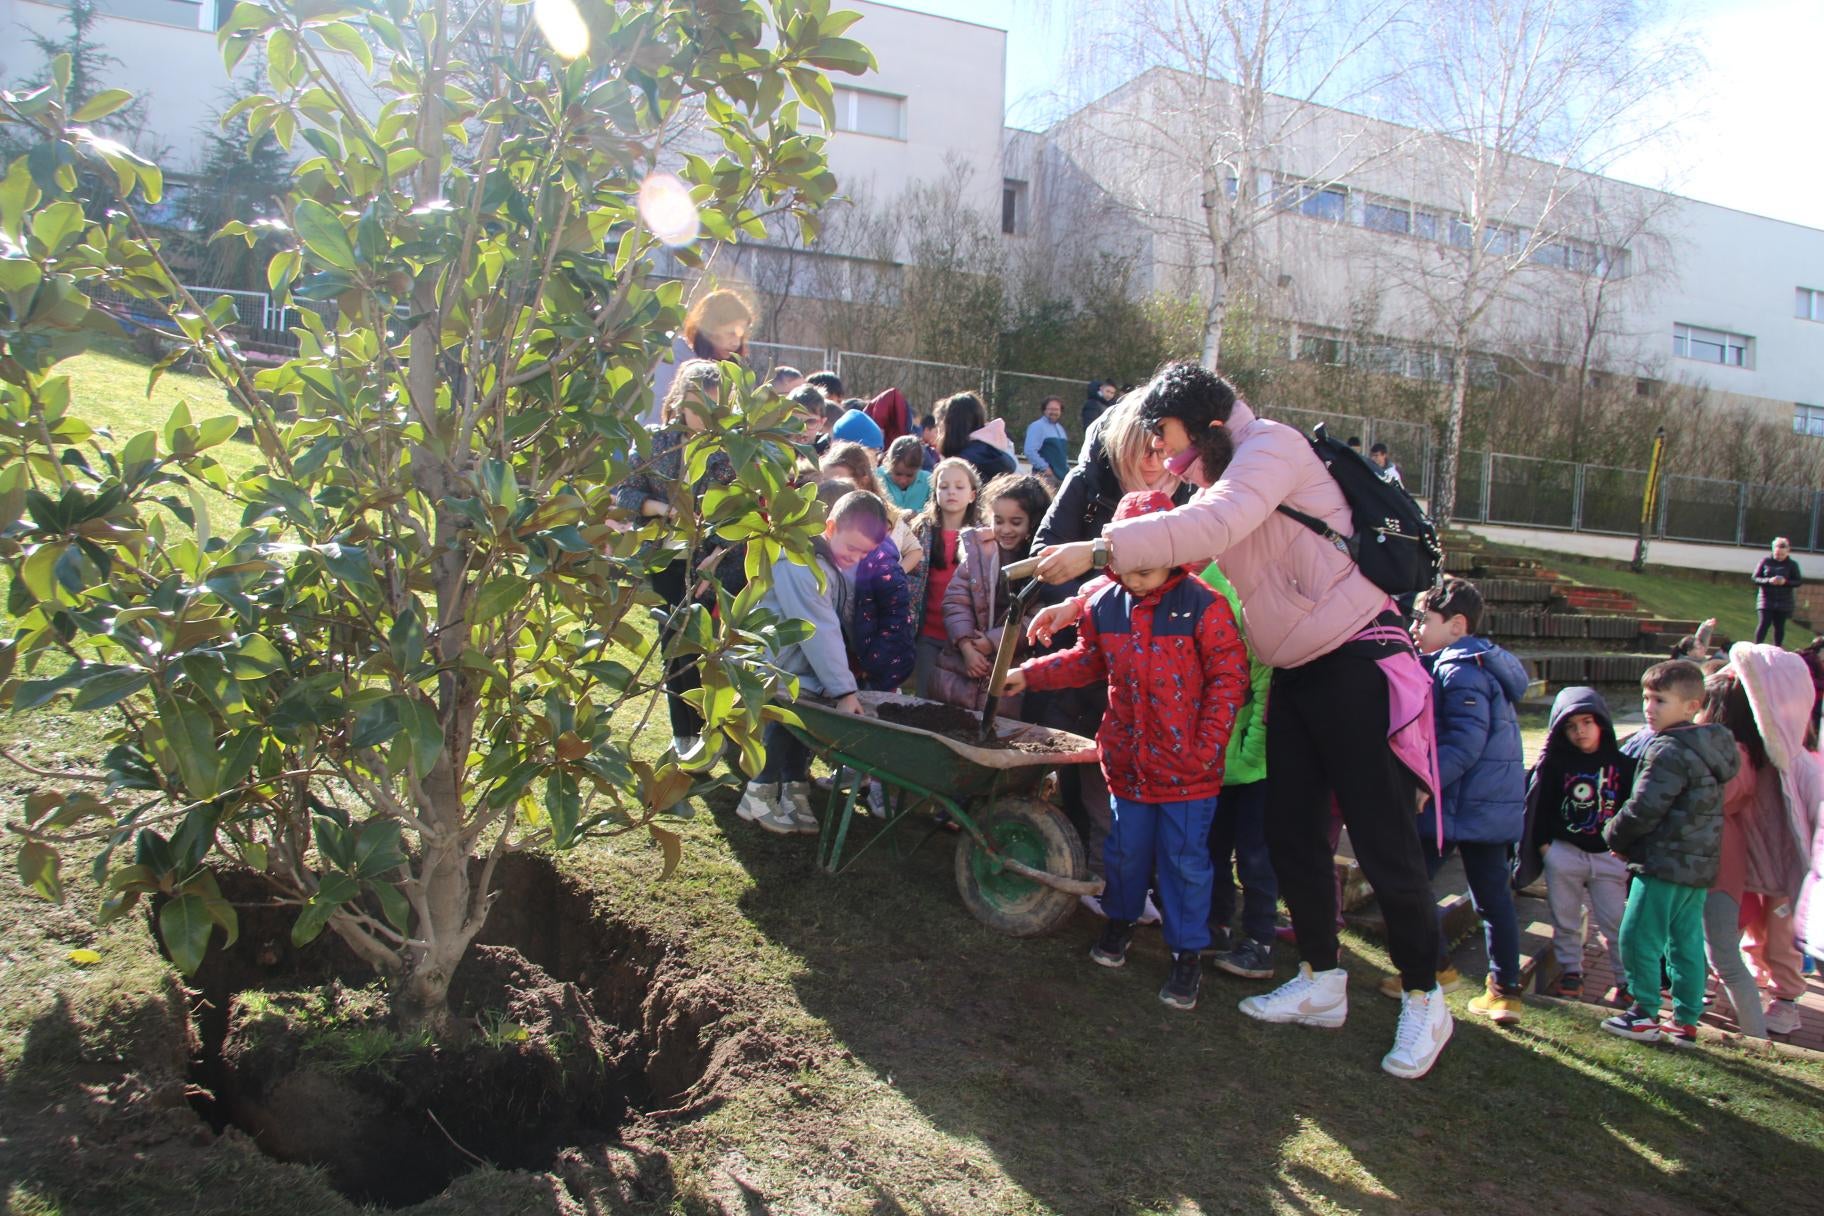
x: 965, y: 726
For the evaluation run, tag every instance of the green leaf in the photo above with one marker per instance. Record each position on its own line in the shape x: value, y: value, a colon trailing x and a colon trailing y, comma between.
x: 377, y: 849
x: 191, y: 735
x: 323, y: 234
x: 184, y: 923
x: 499, y: 595
x: 425, y: 734
x: 344, y: 37
x: 333, y: 891
x: 40, y: 869
x: 101, y: 105
x: 393, y: 904
x: 220, y: 429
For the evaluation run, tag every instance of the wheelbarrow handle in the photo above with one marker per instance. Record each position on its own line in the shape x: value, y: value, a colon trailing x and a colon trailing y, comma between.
x: 1024, y: 568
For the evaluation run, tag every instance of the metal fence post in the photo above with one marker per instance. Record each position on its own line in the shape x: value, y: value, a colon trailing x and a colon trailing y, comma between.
x: 1817, y: 502
x: 1577, y: 499
x: 1741, y: 513
x: 1488, y: 481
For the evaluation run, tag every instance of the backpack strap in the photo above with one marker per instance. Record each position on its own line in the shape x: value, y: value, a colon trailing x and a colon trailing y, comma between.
x: 1343, y: 543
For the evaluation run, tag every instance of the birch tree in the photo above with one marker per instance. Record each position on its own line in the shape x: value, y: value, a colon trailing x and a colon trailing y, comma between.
x: 1242, y: 111
x: 1523, y: 104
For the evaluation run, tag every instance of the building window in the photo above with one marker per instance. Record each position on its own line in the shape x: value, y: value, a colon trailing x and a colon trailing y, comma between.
x: 1319, y: 202
x: 1321, y: 348
x: 1387, y: 215
x: 1810, y: 304
x: 865, y: 113
x: 1711, y: 346
x: 1013, y: 207
x: 1808, y: 419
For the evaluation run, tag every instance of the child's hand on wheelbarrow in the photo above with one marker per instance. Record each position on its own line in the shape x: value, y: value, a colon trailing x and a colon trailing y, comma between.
x: 850, y: 704
x: 1015, y: 684
x: 1049, y: 621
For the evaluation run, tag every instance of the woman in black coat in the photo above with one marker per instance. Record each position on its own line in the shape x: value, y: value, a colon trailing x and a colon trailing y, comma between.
x: 1118, y: 457
x: 1775, y: 578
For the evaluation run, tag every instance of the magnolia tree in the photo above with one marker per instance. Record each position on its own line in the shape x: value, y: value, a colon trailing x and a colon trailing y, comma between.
x: 407, y: 656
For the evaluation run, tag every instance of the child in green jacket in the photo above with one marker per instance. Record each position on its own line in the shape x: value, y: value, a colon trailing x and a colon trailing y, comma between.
x: 1238, y: 835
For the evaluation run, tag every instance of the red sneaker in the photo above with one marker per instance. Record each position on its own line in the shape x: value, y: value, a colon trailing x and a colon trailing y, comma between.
x: 1677, y: 1033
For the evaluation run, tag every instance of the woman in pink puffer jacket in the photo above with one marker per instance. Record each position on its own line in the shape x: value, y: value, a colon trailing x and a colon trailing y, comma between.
x: 1350, y: 705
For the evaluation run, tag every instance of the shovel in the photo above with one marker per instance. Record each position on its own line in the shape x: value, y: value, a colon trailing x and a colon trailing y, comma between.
x: 1010, y: 638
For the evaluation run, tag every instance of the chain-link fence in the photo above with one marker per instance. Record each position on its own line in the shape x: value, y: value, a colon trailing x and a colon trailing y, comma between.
x: 924, y: 383
x: 1702, y: 508
x: 1472, y: 486
x: 1016, y: 396
x: 1609, y: 500
x: 1408, y: 450
x: 763, y: 357
x: 1531, y: 492
x: 1772, y: 511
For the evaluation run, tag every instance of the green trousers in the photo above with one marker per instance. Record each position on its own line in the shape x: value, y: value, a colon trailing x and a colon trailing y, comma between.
x: 1665, y: 921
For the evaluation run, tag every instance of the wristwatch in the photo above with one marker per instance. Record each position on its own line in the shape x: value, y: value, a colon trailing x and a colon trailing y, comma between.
x: 1099, y: 553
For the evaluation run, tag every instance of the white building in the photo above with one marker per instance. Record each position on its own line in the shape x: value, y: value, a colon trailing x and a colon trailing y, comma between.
x: 1361, y: 221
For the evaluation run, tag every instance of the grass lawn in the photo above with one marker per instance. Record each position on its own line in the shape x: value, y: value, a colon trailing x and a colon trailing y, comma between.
x: 903, y: 1058
x: 1679, y: 595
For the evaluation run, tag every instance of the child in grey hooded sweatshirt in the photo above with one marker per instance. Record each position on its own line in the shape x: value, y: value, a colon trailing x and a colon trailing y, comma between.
x: 779, y: 796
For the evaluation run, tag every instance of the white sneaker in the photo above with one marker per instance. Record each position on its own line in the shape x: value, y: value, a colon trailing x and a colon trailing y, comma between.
x: 1782, y: 1017
x: 1310, y: 998
x: 684, y: 745
x: 1093, y: 905
x: 877, y: 799
x: 1149, y: 915
x: 796, y: 802
x: 762, y: 803
x: 1425, y: 1027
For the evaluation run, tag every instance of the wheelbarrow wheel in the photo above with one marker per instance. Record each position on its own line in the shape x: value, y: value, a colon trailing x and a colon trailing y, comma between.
x: 1032, y: 832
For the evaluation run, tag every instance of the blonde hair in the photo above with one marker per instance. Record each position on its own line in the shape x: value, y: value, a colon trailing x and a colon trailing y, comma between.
x: 1125, y: 441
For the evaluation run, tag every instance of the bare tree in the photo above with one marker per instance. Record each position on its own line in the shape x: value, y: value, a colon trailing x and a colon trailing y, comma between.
x: 1523, y: 103
x: 1234, y: 118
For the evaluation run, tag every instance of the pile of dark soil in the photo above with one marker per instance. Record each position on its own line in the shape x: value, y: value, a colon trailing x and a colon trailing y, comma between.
x: 965, y: 726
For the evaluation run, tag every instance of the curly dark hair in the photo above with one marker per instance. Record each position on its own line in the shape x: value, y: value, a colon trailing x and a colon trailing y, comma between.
x: 1196, y: 397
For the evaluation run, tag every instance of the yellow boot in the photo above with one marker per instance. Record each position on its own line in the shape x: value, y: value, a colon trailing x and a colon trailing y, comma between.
x: 1496, y: 1005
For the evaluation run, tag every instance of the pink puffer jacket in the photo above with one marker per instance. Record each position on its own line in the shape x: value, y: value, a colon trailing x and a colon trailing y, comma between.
x: 1301, y: 597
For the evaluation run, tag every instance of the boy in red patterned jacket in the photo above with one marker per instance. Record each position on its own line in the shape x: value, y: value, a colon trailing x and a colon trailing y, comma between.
x: 1177, y: 673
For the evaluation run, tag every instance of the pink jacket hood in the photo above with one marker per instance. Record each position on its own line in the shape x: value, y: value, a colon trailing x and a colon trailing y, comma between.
x: 994, y: 434
x: 1778, y: 684
x: 1301, y: 597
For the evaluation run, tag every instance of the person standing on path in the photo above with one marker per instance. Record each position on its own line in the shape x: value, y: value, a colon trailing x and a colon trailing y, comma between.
x: 1352, y: 706
x: 1775, y: 578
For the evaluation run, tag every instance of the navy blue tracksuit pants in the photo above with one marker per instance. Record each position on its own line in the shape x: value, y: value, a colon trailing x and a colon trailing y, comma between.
x: 1165, y: 845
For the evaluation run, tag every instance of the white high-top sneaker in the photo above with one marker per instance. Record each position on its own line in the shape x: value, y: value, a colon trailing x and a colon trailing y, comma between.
x: 764, y: 804
x: 1310, y: 998
x: 797, y: 801
x: 1425, y: 1026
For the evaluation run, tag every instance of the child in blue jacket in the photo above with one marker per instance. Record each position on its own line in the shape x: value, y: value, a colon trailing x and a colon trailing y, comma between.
x: 885, y: 645
x: 1483, y: 774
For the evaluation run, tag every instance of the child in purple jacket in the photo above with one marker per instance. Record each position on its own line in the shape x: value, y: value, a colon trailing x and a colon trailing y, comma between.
x: 885, y: 643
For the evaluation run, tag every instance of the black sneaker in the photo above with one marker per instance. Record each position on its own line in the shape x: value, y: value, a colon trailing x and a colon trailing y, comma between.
x: 1180, y: 991
x: 1249, y: 959
x: 1110, y: 949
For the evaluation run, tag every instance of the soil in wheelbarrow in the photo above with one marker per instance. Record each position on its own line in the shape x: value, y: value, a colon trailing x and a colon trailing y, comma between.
x: 966, y: 726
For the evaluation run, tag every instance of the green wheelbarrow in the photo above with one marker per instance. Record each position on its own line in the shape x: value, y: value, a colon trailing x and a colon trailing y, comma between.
x: 1019, y: 864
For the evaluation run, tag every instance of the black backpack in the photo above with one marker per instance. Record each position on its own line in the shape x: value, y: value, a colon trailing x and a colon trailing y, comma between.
x: 1395, y: 543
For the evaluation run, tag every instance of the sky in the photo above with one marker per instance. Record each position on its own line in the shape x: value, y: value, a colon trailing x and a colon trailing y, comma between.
x: 1748, y: 129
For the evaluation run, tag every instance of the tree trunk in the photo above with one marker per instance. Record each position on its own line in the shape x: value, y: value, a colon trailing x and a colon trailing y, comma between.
x: 1444, y: 494
x: 421, y: 1000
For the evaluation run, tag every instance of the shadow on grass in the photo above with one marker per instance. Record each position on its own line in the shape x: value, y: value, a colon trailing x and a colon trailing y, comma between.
x: 1094, y: 1097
